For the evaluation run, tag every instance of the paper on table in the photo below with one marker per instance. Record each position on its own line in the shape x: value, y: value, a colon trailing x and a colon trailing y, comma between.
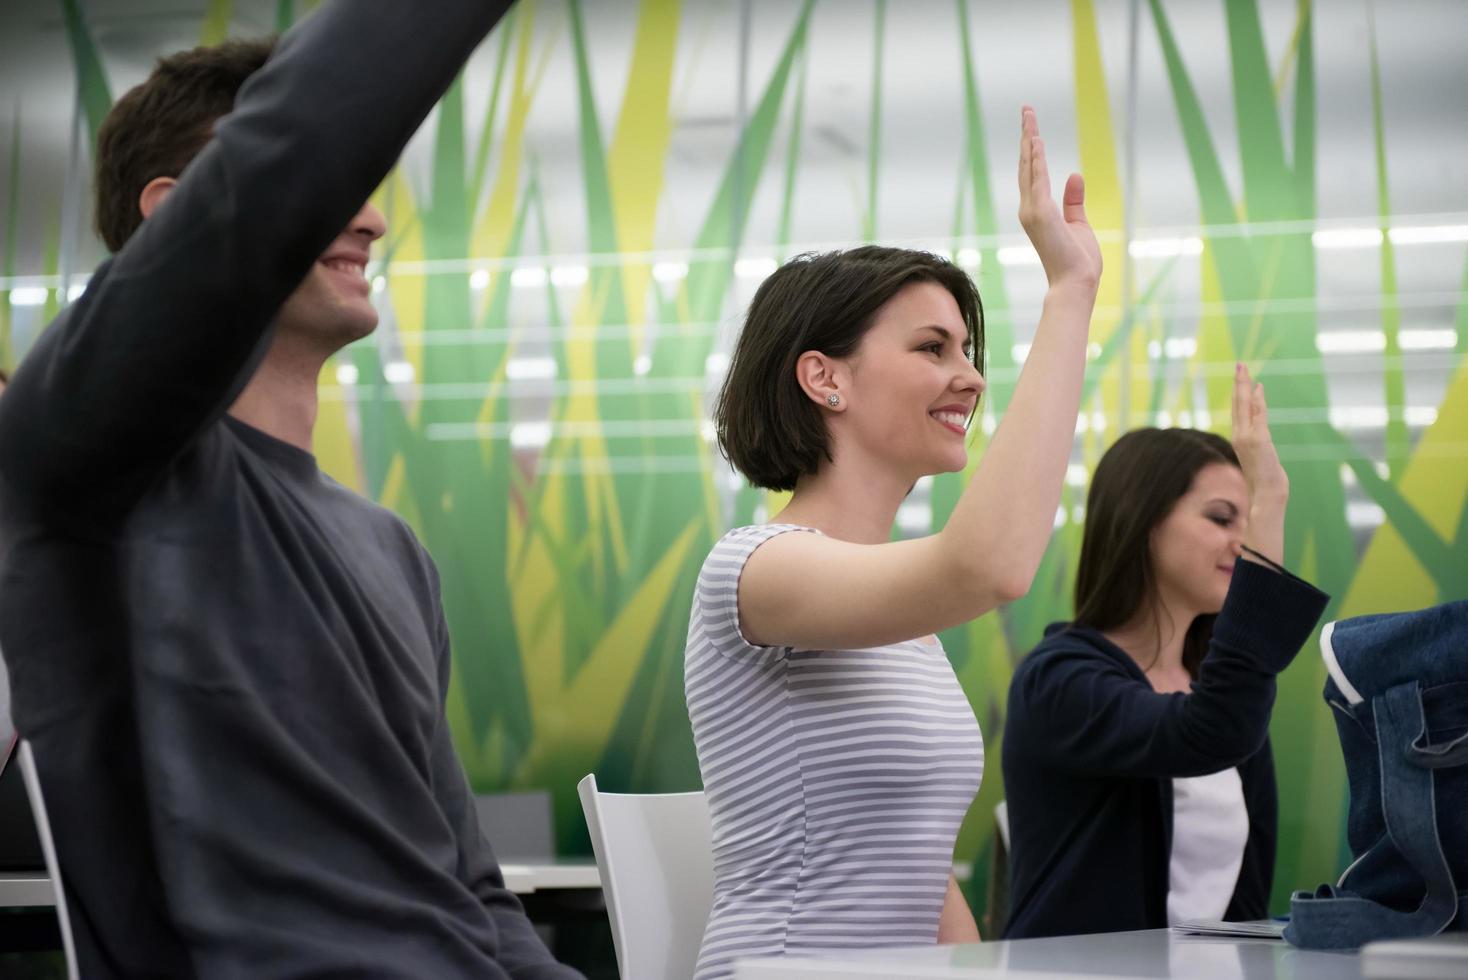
x: 1260, y: 929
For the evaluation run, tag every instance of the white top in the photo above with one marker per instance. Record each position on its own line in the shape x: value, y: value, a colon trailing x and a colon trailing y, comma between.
x: 836, y: 780
x: 1210, y: 826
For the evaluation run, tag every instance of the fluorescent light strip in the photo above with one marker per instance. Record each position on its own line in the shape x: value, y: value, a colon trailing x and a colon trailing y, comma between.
x: 1361, y: 514
x: 1018, y: 255
x: 754, y: 268
x: 1428, y: 234
x: 529, y: 277
x: 28, y: 296
x: 1374, y: 341
x: 569, y: 275
x: 1163, y: 248
x: 670, y: 271
x: 398, y: 372
x: 915, y: 518
x: 1329, y: 238
x: 530, y: 368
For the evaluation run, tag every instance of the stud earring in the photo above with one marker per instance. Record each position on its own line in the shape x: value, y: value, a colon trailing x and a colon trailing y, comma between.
x: 833, y: 399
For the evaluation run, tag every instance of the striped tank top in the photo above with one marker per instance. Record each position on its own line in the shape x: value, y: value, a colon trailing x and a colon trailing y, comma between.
x: 836, y: 780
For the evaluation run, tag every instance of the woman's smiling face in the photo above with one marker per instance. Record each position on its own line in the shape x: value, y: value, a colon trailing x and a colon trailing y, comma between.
x: 912, y: 387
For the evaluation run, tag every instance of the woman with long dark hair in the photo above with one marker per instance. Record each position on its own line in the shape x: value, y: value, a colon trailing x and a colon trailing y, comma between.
x: 1137, y: 765
x: 838, y: 752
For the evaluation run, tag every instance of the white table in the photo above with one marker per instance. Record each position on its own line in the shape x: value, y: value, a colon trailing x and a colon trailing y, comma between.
x: 25, y: 889
x: 524, y: 878
x: 32, y: 889
x: 1154, y: 953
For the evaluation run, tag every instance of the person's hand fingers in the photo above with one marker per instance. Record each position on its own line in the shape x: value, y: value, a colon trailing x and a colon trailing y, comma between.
x: 1040, y: 171
x: 1027, y: 128
x: 1075, y: 199
x: 1240, y: 401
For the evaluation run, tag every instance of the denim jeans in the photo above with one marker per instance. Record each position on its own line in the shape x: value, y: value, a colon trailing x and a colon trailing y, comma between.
x: 1398, y: 685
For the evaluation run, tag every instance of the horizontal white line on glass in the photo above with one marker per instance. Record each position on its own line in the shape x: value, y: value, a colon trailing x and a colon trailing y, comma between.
x: 1448, y: 227
x: 540, y: 433
x: 629, y: 464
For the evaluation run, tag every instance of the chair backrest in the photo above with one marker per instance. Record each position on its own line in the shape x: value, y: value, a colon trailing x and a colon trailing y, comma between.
x: 996, y: 914
x: 27, y: 761
x: 519, y: 826
x: 655, y: 855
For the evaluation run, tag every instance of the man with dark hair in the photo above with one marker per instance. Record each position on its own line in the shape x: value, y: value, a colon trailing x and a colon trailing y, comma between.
x: 232, y: 669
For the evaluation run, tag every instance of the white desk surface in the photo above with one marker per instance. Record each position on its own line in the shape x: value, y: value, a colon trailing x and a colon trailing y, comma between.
x: 32, y: 888
x: 1154, y: 953
x: 525, y: 877
x: 25, y: 889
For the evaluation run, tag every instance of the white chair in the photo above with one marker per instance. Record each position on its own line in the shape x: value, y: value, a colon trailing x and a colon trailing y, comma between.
x: 48, y: 850
x: 655, y: 855
x: 996, y: 915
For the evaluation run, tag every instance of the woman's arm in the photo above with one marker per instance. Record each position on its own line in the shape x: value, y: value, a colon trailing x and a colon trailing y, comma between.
x: 813, y: 592
x: 956, y: 924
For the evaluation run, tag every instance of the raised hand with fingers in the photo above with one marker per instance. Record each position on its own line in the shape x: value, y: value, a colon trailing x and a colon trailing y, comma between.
x: 1060, y: 233
x: 1269, y: 485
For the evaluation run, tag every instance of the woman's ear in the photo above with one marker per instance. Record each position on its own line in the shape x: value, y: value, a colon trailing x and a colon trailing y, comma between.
x: 154, y: 194
x: 822, y: 379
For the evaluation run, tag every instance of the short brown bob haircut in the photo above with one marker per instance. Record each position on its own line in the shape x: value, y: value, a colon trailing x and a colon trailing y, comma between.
x: 1135, y: 486
x: 767, y: 426
x: 159, y: 126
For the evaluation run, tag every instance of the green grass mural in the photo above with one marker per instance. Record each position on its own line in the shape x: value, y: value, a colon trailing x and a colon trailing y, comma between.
x: 569, y: 510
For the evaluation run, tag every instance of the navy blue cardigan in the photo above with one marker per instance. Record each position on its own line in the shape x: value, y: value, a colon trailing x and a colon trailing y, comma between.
x: 1090, y: 751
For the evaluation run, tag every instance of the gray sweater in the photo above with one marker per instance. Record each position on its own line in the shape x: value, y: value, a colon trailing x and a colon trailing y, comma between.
x: 231, y: 668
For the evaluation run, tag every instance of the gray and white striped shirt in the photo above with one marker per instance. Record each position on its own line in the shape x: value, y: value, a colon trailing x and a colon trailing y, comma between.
x: 836, y: 780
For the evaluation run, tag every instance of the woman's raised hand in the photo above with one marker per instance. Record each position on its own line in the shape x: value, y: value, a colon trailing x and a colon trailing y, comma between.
x: 1269, y: 486
x: 1061, y: 234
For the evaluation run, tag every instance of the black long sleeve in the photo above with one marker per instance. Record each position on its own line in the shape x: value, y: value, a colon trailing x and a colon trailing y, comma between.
x: 232, y: 669
x: 170, y: 329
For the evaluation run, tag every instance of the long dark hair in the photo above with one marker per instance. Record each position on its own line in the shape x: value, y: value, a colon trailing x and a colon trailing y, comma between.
x: 1137, y: 483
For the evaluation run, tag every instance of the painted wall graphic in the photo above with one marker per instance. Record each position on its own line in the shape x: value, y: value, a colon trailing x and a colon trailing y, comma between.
x: 577, y: 229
